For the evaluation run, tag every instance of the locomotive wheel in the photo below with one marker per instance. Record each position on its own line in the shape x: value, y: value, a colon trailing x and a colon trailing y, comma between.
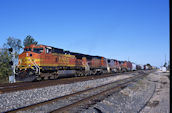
x: 51, y: 77
x: 76, y: 74
x: 80, y: 74
x: 99, y: 73
x: 87, y: 74
x: 38, y: 78
x: 56, y: 76
x: 46, y: 78
x: 92, y: 72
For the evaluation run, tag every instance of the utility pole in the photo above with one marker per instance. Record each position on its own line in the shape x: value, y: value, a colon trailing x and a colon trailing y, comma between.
x: 165, y: 61
x: 13, y: 67
x: 12, y: 77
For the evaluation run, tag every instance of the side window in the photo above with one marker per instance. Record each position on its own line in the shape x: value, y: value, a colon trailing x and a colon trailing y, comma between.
x: 38, y: 50
x: 56, y: 59
x: 27, y: 49
x: 48, y: 50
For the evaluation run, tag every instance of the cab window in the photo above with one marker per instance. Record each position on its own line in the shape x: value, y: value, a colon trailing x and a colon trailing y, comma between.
x: 38, y: 50
x: 48, y: 50
x: 27, y: 49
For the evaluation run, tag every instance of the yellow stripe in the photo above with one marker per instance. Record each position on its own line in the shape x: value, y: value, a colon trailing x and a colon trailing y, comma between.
x: 29, y: 58
x: 26, y: 66
x: 66, y: 55
x: 56, y: 65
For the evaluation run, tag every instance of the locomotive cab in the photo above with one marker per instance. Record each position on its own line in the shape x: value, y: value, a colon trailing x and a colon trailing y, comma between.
x: 29, y: 59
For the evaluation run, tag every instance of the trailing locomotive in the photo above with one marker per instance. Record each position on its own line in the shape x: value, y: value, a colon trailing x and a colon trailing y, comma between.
x: 46, y: 62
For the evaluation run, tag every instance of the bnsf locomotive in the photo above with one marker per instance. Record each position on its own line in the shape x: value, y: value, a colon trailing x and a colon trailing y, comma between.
x: 45, y: 62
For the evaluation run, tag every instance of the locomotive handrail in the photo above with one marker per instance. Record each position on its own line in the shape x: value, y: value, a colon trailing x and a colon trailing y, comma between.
x: 87, y: 67
x: 37, y: 66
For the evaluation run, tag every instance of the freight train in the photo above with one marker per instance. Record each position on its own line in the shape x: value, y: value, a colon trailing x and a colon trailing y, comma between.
x: 41, y: 62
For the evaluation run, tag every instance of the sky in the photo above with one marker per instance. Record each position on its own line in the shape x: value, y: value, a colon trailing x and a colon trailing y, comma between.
x: 135, y: 30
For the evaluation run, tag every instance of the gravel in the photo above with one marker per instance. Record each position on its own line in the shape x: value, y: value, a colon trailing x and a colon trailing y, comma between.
x: 149, y: 95
x: 159, y: 103
x: 129, y: 100
x: 13, y: 100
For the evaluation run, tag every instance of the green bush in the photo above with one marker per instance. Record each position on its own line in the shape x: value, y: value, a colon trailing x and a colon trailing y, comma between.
x: 5, y: 67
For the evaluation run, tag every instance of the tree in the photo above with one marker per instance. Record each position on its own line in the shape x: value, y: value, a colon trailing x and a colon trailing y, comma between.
x: 165, y: 64
x: 15, y: 44
x: 5, y: 67
x: 168, y: 65
x: 29, y: 40
x: 148, y: 64
x: 6, y: 57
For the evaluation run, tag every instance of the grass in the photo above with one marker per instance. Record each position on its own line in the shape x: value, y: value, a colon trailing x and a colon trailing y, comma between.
x: 2, y: 81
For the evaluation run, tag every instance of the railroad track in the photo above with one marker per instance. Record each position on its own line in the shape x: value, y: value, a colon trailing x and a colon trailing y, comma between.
x: 8, y: 87
x: 79, y: 100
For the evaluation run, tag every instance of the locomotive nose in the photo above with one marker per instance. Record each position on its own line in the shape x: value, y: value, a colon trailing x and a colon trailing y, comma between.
x: 28, y: 60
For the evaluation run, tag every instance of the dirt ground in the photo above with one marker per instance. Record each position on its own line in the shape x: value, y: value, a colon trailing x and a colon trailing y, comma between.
x: 160, y: 101
x: 148, y: 95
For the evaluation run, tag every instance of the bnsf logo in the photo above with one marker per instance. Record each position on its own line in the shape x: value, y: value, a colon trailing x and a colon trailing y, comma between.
x: 62, y: 59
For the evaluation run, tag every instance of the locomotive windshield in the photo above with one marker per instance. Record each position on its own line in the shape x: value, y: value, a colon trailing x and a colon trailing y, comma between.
x: 38, y: 50
x: 27, y: 49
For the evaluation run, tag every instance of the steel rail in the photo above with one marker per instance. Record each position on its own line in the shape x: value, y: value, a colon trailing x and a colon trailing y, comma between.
x: 66, y: 107
x: 6, y: 88
x: 92, y: 99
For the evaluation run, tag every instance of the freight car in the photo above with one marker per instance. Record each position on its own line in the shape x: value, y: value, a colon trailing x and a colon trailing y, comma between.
x: 134, y: 67
x: 117, y: 66
x: 138, y: 67
x: 129, y: 66
x: 123, y: 65
x: 39, y: 62
x: 113, y: 65
x: 147, y: 67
